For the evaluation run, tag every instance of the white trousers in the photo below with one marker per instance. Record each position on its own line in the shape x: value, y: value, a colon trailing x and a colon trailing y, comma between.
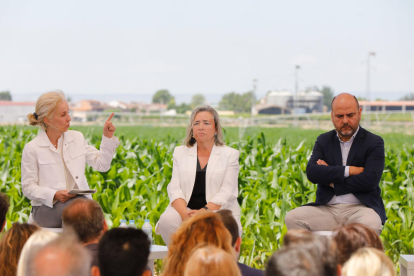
x: 170, y: 220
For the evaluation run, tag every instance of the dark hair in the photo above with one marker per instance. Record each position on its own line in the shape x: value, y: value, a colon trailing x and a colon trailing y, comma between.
x: 293, y: 261
x: 351, y: 237
x: 4, y: 207
x: 230, y: 223
x: 123, y: 252
x: 86, y: 218
x: 338, y: 95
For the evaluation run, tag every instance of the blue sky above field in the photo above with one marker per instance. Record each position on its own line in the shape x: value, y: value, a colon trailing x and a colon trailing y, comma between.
x: 130, y: 49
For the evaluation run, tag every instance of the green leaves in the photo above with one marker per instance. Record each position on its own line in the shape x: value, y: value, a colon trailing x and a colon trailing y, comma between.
x: 272, y: 181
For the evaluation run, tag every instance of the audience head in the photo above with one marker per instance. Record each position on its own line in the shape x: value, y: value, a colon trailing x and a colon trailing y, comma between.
x: 368, y: 262
x: 86, y: 218
x: 123, y: 252
x: 231, y: 225
x: 293, y: 261
x: 11, y: 245
x: 321, y: 247
x: 297, y: 236
x: 211, y: 260
x: 63, y: 256
x: 203, y: 228
x: 189, y: 140
x: 351, y: 237
x: 4, y: 207
x: 38, y: 239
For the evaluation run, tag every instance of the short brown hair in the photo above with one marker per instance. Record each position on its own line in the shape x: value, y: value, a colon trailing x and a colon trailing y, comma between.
x: 321, y: 247
x: 351, y: 237
x: 230, y: 223
x: 4, y: 207
x: 86, y: 218
x: 297, y: 236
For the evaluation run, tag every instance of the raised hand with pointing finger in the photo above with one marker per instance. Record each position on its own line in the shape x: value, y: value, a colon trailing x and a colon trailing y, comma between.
x: 109, y: 128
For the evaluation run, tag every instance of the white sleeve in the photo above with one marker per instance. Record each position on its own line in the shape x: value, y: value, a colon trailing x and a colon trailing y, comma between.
x: 229, y: 189
x: 174, y: 189
x: 101, y: 159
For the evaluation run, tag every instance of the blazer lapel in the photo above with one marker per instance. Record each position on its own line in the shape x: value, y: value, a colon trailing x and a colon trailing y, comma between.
x: 192, y: 167
x: 337, y: 151
x: 212, y: 162
x: 356, y: 144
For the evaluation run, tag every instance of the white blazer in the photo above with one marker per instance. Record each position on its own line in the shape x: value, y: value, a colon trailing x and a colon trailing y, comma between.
x: 221, y: 176
x: 43, y: 170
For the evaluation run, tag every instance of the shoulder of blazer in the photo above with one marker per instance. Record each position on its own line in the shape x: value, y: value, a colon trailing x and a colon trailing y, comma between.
x: 369, y: 135
x: 229, y: 150
x: 327, y: 136
x: 181, y: 150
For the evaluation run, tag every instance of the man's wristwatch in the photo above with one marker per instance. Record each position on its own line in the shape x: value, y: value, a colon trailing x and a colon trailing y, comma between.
x: 206, y: 208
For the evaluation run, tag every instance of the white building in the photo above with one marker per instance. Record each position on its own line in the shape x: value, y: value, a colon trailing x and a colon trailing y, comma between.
x: 15, y: 112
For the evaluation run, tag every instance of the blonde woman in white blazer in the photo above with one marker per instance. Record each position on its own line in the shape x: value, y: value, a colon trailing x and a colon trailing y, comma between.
x: 205, y: 174
x: 54, y: 162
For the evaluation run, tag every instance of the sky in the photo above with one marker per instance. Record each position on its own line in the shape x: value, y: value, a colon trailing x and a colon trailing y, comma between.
x: 127, y: 50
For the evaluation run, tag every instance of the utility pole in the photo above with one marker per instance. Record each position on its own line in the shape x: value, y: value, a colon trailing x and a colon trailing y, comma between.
x: 296, y: 102
x: 368, y: 88
x: 253, y: 95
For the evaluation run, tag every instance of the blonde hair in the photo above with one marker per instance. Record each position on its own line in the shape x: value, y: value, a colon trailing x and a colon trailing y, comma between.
x: 368, y: 261
x: 45, y: 106
x: 38, y: 239
x: 211, y: 260
x: 189, y: 140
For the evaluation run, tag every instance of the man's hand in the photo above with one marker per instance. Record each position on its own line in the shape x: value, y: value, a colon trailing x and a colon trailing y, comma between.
x: 191, y: 213
x: 63, y: 196
x: 321, y: 162
x: 109, y: 128
x: 355, y: 170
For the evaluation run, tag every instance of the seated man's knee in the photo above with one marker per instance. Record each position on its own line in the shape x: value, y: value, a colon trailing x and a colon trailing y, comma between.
x: 290, y: 219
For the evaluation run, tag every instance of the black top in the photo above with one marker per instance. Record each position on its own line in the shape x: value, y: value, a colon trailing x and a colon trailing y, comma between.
x: 198, y: 197
x: 249, y: 271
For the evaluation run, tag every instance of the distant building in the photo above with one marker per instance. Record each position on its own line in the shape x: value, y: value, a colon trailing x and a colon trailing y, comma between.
x: 119, y: 105
x: 147, y: 109
x: 12, y: 112
x: 286, y: 103
x: 90, y: 105
x: 384, y: 106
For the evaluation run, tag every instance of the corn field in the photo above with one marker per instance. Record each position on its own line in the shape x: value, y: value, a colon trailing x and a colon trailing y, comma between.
x: 272, y: 181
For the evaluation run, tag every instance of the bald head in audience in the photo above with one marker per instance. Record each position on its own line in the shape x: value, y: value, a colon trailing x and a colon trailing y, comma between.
x: 63, y: 256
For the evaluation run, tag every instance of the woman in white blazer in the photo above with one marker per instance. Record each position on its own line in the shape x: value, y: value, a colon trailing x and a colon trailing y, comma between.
x: 54, y: 162
x: 205, y: 174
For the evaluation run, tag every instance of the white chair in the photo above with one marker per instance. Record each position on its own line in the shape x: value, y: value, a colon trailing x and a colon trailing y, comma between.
x: 324, y: 233
x: 407, y: 265
x: 56, y: 230
x: 156, y: 252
